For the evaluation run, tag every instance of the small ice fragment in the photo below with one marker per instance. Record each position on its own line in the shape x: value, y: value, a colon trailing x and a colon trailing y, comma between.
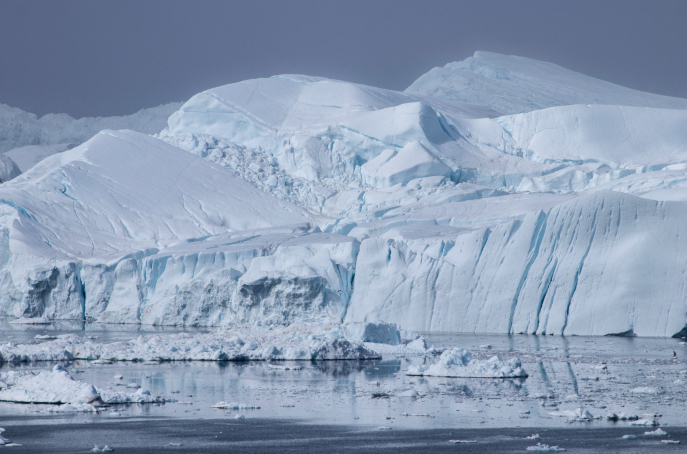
x: 656, y: 433
x: 533, y: 437
x: 485, y: 346
x: 384, y: 428
x: 3, y: 441
x: 671, y: 442
x: 118, y: 377
x: 629, y: 437
x: 175, y: 444
x: 239, y: 416
x: 133, y: 385
x: 408, y: 393
x: 105, y: 448
x: 462, y: 441
x: 644, y: 422
x: 646, y: 390
x: 234, y: 406
x: 543, y: 447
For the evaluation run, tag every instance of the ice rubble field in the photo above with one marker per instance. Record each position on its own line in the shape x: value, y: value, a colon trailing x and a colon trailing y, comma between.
x: 498, y: 194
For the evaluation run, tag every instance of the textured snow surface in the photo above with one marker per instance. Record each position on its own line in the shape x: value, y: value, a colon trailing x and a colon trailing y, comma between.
x: 459, y: 363
x: 499, y: 194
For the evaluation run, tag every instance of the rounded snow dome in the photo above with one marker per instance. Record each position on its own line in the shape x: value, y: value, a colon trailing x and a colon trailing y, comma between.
x: 8, y: 169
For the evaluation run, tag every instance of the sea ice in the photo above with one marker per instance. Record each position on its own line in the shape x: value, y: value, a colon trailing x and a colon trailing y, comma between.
x: 656, y: 433
x: 459, y: 363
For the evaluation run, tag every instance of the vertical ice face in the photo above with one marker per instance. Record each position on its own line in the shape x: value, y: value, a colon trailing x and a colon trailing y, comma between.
x: 301, y: 199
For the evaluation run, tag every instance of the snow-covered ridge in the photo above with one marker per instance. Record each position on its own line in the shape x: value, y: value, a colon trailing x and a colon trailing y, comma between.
x: 510, y: 84
x: 298, y: 199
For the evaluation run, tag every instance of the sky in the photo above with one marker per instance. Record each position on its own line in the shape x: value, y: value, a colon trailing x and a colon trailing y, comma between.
x: 102, y: 58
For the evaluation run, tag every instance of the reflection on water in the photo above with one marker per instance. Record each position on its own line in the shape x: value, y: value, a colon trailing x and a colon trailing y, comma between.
x: 565, y: 373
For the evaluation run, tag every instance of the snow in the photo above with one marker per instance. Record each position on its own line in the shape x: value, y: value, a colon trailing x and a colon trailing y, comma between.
x: 499, y: 195
x: 459, y: 363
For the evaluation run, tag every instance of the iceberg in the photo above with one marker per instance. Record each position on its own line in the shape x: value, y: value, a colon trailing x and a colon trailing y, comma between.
x: 499, y: 194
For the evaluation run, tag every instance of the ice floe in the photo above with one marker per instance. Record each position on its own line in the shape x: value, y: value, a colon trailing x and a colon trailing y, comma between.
x: 58, y: 387
x: 459, y: 363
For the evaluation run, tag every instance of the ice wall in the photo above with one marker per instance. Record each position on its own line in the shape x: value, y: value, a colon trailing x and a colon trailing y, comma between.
x: 599, y: 264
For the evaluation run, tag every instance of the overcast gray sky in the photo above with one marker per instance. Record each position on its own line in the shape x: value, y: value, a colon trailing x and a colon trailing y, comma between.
x: 101, y: 58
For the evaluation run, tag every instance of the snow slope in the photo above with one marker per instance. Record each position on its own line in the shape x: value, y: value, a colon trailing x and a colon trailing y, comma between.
x: 301, y: 199
x: 510, y: 84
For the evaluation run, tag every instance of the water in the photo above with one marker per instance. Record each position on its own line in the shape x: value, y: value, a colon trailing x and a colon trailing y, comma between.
x: 598, y: 374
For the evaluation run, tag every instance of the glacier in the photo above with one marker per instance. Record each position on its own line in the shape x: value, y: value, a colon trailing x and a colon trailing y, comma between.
x: 499, y: 194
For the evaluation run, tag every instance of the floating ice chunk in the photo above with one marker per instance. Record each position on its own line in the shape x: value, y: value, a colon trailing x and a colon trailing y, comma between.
x: 644, y: 422
x: 44, y: 337
x: 234, y: 406
x: 656, y: 433
x: 543, y: 447
x: 621, y: 417
x: 105, y: 448
x: 646, y: 390
x: 32, y: 321
x: 239, y: 416
x: 118, y: 377
x: 533, y: 437
x: 629, y: 437
x: 671, y: 442
x: 133, y: 385
x: 459, y: 363
x: 74, y: 408
x: 49, y: 387
x: 418, y: 344
x: 408, y: 393
x: 379, y: 333
x: 3, y: 441
x: 580, y: 414
x: 462, y: 441
x: 384, y: 428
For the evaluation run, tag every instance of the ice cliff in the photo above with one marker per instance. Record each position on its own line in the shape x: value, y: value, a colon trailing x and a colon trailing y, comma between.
x: 498, y: 194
